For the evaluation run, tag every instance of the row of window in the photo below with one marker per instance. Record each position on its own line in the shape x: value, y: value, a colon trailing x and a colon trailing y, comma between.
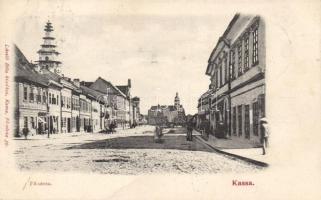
x: 241, y: 119
x: 53, y: 99
x: 244, y: 44
x: 64, y: 122
x: 65, y: 102
x: 35, y: 95
x: 85, y: 106
x: 241, y: 51
x: 32, y: 122
x: 82, y: 122
x: 75, y: 104
x: 41, y: 97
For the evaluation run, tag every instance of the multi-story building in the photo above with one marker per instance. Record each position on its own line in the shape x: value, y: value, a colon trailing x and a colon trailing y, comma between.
x: 66, y: 96
x: 116, y: 100
x: 54, y: 100
x: 128, y: 105
x: 98, y: 105
x: 203, y: 110
x: 75, y: 106
x: 69, y: 93
x: 31, y: 97
x: 85, y: 112
x: 237, y: 70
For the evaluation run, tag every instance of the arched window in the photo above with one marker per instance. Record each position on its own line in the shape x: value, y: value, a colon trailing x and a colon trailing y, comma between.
x: 46, y: 58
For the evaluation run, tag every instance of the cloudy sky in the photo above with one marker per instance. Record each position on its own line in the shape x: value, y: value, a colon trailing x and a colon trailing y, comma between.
x: 162, y: 52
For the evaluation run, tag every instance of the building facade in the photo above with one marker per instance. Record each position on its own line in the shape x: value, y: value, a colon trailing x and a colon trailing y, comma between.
x: 117, y: 104
x: 237, y: 72
x: 31, y: 97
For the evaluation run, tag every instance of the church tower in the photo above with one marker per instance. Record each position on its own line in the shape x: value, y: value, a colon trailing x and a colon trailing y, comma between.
x: 177, y: 101
x: 47, y: 54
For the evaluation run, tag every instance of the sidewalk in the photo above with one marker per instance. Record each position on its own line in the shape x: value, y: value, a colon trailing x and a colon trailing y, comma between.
x: 51, y: 136
x: 238, y: 149
x: 82, y: 133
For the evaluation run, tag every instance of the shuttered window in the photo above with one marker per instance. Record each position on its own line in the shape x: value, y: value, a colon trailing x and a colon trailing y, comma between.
x: 25, y: 93
x: 232, y: 64
x: 246, y: 53
x: 255, y: 56
x: 226, y: 72
x: 234, y: 120
x: 255, y: 119
x: 247, y: 121
x: 239, y: 56
x: 239, y: 114
x: 31, y: 95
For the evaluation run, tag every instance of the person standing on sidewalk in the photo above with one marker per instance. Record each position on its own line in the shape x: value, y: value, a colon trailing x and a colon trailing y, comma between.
x: 189, y: 131
x: 264, y: 134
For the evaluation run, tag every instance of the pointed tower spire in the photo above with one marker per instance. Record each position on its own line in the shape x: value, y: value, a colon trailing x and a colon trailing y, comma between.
x: 176, y: 101
x: 47, y: 54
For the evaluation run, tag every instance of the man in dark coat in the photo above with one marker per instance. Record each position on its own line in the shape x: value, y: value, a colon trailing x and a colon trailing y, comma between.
x: 189, y: 127
x: 264, y: 134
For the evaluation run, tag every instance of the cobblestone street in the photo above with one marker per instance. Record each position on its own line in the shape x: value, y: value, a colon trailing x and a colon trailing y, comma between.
x: 131, y: 151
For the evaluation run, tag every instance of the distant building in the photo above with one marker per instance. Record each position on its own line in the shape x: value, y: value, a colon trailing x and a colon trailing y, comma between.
x: 167, y: 114
x: 125, y: 89
x: 117, y: 101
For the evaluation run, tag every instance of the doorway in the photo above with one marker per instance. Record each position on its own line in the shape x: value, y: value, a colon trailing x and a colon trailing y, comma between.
x: 68, y: 125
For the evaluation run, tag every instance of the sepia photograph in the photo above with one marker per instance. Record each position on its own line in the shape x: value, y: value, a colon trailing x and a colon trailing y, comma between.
x: 68, y: 123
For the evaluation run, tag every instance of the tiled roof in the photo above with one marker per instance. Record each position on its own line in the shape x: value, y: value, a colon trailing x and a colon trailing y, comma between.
x: 88, y: 91
x: 101, y: 85
x: 50, y: 75
x: 25, y: 70
x: 86, y: 83
x: 123, y: 88
x: 172, y: 108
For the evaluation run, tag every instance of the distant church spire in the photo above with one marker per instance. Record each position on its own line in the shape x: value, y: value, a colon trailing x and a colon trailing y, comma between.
x: 47, y: 54
x: 176, y: 101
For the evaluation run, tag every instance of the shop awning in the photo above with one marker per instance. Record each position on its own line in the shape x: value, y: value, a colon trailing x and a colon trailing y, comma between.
x: 41, y: 120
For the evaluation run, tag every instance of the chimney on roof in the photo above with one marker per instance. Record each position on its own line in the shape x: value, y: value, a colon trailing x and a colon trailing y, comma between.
x: 76, y: 82
x: 129, y: 83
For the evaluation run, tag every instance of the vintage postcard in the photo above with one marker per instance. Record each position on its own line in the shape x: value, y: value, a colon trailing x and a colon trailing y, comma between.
x: 137, y: 99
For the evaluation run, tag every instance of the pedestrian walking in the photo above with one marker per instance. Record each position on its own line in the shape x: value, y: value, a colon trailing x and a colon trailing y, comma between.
x: 112, y: 126
x: 189, y: 128
x: 25, y: 132
x: 158, y: 134
x: 264, y: 134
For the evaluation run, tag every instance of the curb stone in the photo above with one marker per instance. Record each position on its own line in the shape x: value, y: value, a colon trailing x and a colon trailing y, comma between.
x: 249, y: 160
